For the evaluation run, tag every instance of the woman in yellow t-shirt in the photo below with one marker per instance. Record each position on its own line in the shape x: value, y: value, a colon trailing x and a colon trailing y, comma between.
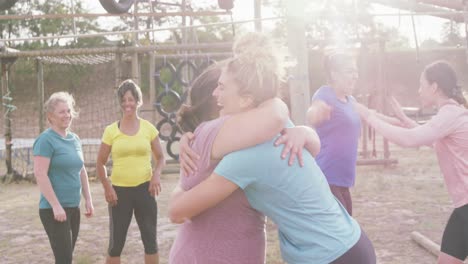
x: 133, y: 184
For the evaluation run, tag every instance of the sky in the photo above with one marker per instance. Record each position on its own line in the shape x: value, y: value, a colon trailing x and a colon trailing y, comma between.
x: 426, y: 26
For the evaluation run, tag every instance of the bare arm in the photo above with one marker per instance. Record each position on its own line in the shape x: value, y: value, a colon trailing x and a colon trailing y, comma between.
x: 86, y: 192
x: 210, y: 192
x: 406, y: 137
x: 318, y: 112
x: 103, y: 155
x: 390, y: 120
x: 41, y: 168
x: 398, y: 111
x: 158, y: 155
x: 250, y: 128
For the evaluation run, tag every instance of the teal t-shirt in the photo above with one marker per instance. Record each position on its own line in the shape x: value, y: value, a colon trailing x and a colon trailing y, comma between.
x: 313, y: 226
x: 66, y: 161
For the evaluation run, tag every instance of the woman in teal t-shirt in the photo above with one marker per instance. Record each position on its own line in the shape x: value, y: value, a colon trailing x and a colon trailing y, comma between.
x: 61, y: 175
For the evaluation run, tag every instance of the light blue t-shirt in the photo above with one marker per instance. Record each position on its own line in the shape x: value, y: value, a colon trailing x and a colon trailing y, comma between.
x: 66, y: 161
x: 313, y: 226
x: 339, y: 138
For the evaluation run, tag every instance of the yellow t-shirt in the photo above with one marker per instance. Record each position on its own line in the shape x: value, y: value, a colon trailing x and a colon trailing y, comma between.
x: 131, y: 155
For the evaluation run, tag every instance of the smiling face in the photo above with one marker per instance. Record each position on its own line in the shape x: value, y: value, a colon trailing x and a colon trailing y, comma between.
x: 344, y: 77
x: 228, y: 97
x: 61, y: 116
x: 128, y: 103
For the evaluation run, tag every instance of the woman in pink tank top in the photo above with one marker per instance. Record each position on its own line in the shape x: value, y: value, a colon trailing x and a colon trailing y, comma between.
x: 232, y: 232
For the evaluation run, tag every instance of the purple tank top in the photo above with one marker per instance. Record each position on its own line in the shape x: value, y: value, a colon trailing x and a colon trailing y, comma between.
x: 231, y: 232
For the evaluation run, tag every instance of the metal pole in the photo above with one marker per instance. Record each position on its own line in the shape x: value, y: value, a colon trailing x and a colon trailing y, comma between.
x: 40, y: 93
x: 152, y: 83
x: 184, y: 23
x: 258, y: 15
x: 73, y: 19
x: 299, y: 81
x: 135, y: 66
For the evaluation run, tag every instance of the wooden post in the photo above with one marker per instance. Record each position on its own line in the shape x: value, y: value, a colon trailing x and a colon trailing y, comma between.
x: 40, y: 93
x: 258, y: 15
x: 299, y: 82
x: 184, y: 23
x: 465, y: 16
x: 118, y: 69
x: 7, y: 118
x: 383, y: 94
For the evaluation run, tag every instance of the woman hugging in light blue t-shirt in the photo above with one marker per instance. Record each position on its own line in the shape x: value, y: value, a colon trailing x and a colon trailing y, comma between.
x: 313, y: 226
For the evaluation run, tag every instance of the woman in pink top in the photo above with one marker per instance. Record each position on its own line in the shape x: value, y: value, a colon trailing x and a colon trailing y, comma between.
x: 447, y: 131
x: 232, y: 232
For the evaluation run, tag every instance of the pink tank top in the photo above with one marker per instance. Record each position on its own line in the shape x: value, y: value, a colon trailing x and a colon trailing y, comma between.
x: 231, y: 232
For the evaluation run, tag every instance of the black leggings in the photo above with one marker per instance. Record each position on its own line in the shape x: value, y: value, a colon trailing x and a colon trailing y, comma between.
x: 455, y: 238
x: 133, y: 200
x: 62, y: 235
x: 361, y: 253
x: 344, y: 196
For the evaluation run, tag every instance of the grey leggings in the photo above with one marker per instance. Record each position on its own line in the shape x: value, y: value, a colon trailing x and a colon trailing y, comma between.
x: 361, y: 253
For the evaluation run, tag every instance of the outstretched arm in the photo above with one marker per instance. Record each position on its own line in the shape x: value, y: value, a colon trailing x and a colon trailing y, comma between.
x: 210, y: 192
x: 318, y: 112
x: 250, y: 128
x: 406, y: 137
x: 398, y: 111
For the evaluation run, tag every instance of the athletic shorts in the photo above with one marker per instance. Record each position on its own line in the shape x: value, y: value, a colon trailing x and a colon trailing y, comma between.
x: 455, y: 238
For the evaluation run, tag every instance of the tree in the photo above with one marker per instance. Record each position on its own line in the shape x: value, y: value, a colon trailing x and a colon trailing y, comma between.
x: 47, y: 27
x: 340, y: 23
x: 451, y: 34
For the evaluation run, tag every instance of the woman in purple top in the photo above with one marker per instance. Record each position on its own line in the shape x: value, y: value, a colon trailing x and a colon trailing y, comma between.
x: 338, y: 125
x: 232, y: 232
x: 447, y: 132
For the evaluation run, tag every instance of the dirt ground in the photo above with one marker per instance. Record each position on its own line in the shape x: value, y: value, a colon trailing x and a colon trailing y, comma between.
x: 389, y: 202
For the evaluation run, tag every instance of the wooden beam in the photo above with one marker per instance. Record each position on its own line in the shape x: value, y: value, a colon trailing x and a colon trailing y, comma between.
x: 452, y: 4
x: 426, y: 243
x: 420, y: 7
x: 97, y: 15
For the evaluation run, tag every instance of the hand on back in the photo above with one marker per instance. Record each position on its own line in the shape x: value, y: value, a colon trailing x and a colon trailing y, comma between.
x: 187, y: 157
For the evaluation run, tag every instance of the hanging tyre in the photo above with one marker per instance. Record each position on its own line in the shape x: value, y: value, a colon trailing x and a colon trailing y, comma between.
x: 7, y: 4
x: 117, y: 6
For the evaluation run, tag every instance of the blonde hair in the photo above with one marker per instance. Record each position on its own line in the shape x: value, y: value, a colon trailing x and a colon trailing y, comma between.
x: 257, y: 67
x: 60, y: 97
